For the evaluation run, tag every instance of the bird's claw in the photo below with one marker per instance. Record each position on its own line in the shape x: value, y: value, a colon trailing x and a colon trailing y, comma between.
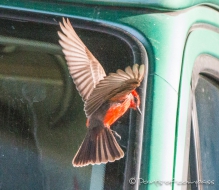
x: 116, y: 134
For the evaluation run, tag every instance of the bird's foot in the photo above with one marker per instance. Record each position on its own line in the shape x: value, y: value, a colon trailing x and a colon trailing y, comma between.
x: 116, y: 134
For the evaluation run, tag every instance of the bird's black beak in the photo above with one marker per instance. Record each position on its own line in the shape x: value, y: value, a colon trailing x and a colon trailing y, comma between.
x: 138, y: 110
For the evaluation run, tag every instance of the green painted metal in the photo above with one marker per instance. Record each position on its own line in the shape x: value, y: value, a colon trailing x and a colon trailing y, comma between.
x: 164, y: 36
x: 156, y: 4
x: 152, y: 4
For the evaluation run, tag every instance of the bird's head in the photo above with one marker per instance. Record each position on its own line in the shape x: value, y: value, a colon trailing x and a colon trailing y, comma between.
x: 135, y: 101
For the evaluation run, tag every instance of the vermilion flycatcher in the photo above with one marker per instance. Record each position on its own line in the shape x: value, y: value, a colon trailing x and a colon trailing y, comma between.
x: 106, y: 98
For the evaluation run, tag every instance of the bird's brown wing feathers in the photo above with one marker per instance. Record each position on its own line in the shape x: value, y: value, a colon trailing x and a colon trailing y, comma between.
x: 114, y: 86
x: 84, y: 68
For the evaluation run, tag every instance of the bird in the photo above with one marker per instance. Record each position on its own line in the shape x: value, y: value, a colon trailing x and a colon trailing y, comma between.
x: 106, y: 97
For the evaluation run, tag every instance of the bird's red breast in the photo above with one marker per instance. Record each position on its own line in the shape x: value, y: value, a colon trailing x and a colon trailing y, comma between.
x: 117, y: 110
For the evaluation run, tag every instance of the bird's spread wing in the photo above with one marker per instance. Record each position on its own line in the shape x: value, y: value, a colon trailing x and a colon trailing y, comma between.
x: 114, y: 86
x: 84, y: 68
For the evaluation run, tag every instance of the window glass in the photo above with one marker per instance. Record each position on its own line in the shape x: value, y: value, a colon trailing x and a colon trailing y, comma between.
x: 207, y: 102
x: 35, y: 154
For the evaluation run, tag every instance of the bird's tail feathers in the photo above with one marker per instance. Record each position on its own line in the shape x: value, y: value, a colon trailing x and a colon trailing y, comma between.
x: 99, y: 146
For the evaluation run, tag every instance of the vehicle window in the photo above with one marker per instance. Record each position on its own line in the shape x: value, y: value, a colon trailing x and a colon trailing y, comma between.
x: 36, y: 90
x: 205, y: 125
x: 207, y: 102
